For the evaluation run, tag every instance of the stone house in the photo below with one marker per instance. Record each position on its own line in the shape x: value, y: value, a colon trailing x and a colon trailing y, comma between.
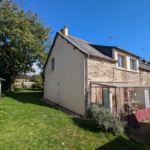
x: 73, y: 65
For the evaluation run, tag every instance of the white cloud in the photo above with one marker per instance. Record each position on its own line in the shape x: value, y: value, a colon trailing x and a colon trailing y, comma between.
x: 36, y: 68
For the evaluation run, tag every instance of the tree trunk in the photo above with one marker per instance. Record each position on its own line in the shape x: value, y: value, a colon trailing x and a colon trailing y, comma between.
x: 12, y: 88
x: 12, y: 83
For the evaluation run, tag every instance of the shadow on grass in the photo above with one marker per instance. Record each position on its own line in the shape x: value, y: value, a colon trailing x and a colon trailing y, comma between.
x: 33, y: 98
x: 29, y: 97
x: 121, y: 143
x: 86, y: 125
x: 28, y: 90
x: 33, y: 89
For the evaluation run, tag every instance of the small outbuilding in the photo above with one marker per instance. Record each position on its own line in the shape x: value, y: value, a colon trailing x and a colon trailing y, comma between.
x: 1, y: 79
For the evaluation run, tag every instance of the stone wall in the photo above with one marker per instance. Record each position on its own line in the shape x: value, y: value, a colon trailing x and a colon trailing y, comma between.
x: 106, y: 71
x: 100, y: 70
x: 126, y: 76
x: 144, y: 77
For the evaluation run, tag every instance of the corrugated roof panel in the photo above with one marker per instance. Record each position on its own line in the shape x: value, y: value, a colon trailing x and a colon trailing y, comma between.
x: 118, y: 84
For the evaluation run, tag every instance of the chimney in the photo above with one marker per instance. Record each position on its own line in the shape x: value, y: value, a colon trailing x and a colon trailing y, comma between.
x: 65, y: 30
x: 144, y: 61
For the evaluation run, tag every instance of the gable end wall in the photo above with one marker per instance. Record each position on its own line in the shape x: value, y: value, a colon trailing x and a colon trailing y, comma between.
x: 65, y: 85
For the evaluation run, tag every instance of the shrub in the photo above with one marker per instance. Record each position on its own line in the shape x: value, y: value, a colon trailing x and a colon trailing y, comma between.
x: 105, y: 119
x: 35, y: 85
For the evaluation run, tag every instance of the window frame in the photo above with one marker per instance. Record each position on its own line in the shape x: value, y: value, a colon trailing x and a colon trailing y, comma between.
x: 134, y: 68
x: 124, y: 65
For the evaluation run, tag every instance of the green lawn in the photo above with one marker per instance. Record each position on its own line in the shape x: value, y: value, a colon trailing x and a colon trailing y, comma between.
x: 26, y: 122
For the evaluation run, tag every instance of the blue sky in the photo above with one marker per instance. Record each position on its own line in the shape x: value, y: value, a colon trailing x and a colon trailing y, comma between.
x: 127, y: 21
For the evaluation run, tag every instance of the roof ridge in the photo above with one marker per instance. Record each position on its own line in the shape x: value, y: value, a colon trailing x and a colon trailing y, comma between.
x: 77, y: 38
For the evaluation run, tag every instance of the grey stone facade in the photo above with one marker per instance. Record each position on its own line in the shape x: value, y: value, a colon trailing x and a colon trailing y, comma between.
x: 106, y: 71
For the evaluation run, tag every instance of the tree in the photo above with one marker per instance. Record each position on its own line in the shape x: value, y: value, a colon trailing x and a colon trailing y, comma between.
x: 23, y: 76
x: 41, y: 63
x: 22, y: 85
x: 24, y: 39
x: 37, y: 79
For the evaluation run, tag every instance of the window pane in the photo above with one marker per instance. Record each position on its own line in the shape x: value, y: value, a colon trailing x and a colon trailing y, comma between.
x: 52, y: 67
x: 118, y: 61
x: 132, y: 64
x: 121, y: 61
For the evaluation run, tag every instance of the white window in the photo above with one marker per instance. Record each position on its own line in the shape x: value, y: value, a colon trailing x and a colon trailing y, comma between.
x: 52, y: 64
x: 121, y: 61
x: 132, y: 64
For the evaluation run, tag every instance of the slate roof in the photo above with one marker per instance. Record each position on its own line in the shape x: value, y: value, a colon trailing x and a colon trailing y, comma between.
x: 144, y: 66
x: 85, y: 47
x: 118, y: 49
x: 126, y: 51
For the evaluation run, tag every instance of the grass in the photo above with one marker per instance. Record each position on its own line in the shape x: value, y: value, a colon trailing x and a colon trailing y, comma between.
x: 26, y: 122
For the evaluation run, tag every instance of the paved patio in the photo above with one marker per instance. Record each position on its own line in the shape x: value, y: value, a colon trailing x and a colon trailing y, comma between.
x: 141, y: 132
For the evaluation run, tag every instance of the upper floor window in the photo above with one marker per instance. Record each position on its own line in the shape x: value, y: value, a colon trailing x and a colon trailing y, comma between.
x: 121, y: 61
x: 52, y: 64
x: 132, y: 64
